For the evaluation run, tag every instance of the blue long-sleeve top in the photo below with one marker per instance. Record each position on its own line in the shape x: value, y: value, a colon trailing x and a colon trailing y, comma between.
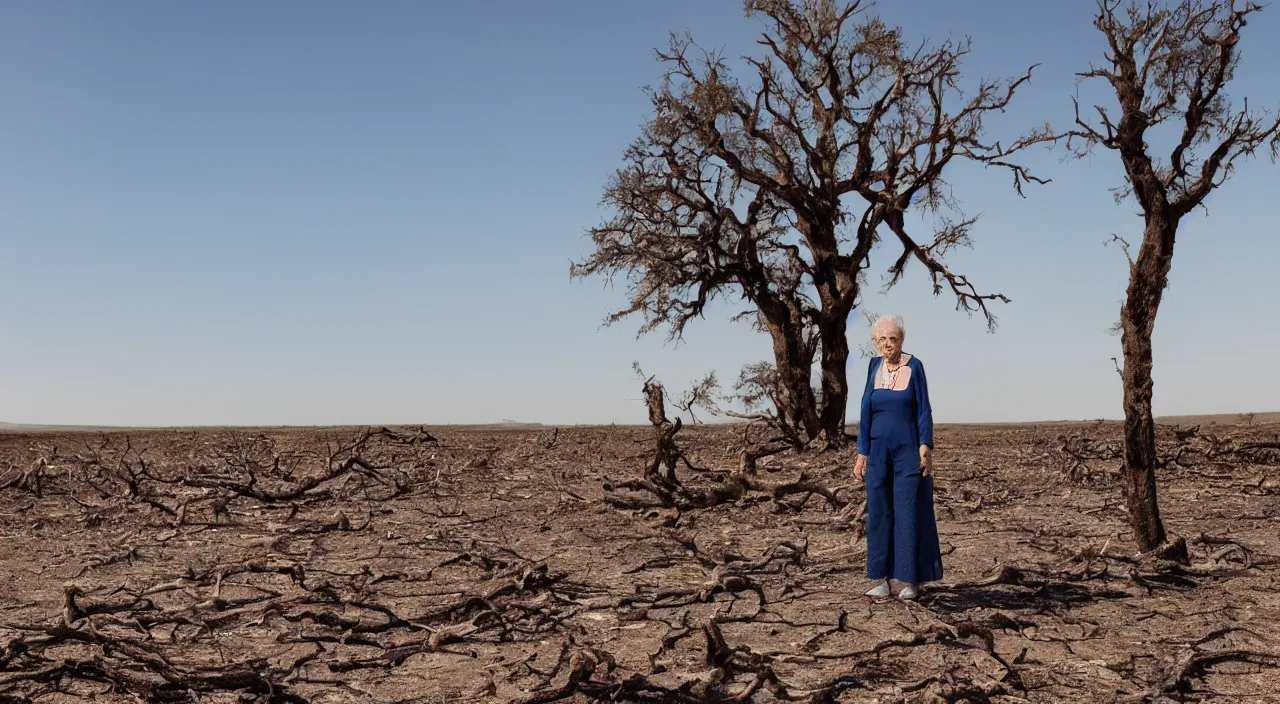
x: 919, y: 388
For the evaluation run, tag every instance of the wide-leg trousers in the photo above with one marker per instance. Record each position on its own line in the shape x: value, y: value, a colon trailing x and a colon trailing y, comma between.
x: 902, y: 534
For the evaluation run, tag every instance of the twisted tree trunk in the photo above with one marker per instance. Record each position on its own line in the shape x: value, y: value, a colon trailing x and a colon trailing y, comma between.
x: 1149, y: 275
x: 1140, y: 431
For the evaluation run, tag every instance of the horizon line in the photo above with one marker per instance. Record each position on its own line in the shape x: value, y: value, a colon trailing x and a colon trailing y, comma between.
x: 56, y: 427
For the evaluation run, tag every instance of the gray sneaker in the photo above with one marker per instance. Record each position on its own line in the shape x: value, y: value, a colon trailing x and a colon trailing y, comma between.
x: 909, y: 593
x: 879, y: 591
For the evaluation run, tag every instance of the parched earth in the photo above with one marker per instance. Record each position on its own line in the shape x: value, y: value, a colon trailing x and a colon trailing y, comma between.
x: 478, y: 565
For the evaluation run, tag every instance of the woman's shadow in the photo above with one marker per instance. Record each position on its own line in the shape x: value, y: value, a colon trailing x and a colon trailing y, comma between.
x: 1015, y: 590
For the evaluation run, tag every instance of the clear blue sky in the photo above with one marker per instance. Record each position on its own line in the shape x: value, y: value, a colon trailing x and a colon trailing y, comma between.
x: 335, y: 212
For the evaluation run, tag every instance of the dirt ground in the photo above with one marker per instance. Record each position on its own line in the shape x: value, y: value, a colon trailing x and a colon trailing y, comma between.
x: 486, y: 565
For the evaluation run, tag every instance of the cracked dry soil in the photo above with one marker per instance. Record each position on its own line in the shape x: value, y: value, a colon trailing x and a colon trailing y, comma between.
x: 485, y: 565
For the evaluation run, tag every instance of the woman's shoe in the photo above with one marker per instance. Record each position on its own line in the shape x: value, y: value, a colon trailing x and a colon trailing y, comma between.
x: 879, y: 591
x: 909, y: 593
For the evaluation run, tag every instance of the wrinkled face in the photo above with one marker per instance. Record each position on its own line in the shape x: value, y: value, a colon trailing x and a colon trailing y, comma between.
x: 888, y: 339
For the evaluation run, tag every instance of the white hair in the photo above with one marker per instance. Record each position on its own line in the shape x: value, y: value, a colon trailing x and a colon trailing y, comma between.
x: 889, y: 319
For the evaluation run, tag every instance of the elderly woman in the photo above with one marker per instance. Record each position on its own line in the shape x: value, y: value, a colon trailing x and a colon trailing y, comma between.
x: 895, y: 443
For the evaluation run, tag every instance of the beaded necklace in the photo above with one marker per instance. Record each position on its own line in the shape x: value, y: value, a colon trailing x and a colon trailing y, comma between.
x: 891, y: 375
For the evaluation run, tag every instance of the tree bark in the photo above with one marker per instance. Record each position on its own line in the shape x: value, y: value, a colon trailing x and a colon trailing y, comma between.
x: 835, y: 385
x: 837, y: 289
x: 1147, y: 280
x: 797, y: 405
x: 1140, y: 441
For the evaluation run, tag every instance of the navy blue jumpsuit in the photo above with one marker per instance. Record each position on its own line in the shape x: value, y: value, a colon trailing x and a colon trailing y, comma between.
x: 902, y: 536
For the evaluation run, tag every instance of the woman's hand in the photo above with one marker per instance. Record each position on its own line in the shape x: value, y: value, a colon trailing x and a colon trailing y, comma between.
x: 860, y: 466
x: 926, y: 460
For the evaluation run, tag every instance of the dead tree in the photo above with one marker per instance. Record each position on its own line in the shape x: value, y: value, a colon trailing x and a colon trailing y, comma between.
x: 666, y: 453
x: 662, y: 483
x: 660, y: 478
x: 1166, y: 63
x: 776, y: 192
